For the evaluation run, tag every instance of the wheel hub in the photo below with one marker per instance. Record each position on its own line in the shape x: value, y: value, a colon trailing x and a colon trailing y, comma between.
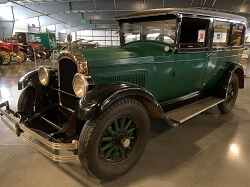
x: 118, y: 140
x: 125, y: 142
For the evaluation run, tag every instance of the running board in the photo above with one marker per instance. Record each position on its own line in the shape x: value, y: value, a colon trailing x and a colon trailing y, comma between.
x: 185, y: 113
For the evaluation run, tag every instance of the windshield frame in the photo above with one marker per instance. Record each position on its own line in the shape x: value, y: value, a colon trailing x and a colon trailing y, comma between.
x: 149, y: 19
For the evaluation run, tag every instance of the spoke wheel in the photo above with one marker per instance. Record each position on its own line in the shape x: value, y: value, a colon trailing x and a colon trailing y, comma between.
x: 118, y: 140
x: 111, y: 144
x: 231, y: 96
x: 6, y: 57
x: 19, y: 58
x: 230, y: 93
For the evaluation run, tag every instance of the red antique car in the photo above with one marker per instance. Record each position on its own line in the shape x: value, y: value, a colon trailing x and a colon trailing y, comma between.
x: 11, y: 50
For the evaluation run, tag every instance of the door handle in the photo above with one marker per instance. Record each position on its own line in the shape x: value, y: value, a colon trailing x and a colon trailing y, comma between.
x: 210, y: 54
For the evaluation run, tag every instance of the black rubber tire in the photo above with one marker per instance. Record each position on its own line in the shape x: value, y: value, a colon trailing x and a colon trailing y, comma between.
x: 25, y: 56
x: 26, y: 101
x: 48, y: 54
x: 30, y: 50
x: 93, y: 131
x: 226, y: 107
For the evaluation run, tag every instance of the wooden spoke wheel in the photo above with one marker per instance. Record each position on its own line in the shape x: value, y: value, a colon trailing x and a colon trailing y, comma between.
x: 111, y: 144
x: 6, y: 57
x: 20, y: 57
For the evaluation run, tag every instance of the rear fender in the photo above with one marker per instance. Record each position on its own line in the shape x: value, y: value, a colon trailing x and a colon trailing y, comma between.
x: 221, y: 87
x: 100, y: 98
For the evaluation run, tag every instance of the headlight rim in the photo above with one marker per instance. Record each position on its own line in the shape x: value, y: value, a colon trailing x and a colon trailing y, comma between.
x: 46, y: 70
x: 85, y: 84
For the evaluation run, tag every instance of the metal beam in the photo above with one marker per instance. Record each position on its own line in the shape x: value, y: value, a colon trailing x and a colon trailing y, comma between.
x: 38, y: 12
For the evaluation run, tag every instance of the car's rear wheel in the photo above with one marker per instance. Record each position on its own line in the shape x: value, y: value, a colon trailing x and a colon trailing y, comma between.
x: 232, y: 93
x: 111, y: 144
x: 6, y: 57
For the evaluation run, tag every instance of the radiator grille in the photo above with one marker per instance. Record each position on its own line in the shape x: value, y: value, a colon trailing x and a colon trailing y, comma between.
x: 67, y: 70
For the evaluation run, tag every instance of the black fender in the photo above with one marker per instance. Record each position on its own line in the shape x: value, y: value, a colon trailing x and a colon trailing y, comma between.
x: 98, y: 99
x: 221, y: 87
x: 44, y: 95
x: 30, y: 79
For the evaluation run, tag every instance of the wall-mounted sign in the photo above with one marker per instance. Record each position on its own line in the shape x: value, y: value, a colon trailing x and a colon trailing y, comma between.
x: 83, y: 21
x: 201, y: 35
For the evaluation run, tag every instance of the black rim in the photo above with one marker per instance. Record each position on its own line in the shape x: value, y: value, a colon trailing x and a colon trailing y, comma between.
x: 230, y: 93
x: 118, y: 140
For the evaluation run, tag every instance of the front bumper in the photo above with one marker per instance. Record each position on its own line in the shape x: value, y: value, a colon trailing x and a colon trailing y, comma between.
x: 57, y: 151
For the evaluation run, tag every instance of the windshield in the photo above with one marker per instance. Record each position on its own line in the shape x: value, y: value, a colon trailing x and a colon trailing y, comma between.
x: 31, y: 38
x: 162, y: 31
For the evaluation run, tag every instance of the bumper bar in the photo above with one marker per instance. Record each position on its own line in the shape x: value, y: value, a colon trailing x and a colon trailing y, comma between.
x: 8, y: 117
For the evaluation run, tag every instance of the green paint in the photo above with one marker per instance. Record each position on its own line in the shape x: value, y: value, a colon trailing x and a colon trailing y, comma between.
x: 48, y: 40
x: 165, y: 74
x: 83, y: 21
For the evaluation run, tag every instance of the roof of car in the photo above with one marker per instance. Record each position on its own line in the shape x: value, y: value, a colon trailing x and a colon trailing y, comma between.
x: 175, y: 11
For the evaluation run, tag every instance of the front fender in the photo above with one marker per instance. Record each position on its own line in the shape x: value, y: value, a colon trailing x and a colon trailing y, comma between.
x: 29, y: 79
x: 100, y: 98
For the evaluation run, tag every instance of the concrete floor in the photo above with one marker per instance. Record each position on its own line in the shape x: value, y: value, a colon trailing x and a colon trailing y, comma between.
x: 208, y: 150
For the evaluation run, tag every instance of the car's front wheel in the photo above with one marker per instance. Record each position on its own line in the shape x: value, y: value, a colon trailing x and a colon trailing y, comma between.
x: 26, y: 101
x: 111, y: 144
x: 232, y: 93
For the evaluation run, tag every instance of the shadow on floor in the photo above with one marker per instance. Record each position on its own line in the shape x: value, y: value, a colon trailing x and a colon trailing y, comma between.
x: 168, y: 148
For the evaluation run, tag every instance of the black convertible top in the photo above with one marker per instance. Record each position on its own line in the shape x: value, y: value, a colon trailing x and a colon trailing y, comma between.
x: 176, y: 11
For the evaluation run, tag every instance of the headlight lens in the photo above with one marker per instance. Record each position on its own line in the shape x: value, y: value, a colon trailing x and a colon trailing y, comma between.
x: 44, y: 75
x: 80, y: 85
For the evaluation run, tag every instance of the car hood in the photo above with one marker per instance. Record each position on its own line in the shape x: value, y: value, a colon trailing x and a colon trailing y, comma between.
x: 130, y: 53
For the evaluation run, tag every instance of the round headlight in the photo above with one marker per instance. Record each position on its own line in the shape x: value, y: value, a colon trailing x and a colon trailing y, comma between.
x: 80, y: 85
x: 44, y: 75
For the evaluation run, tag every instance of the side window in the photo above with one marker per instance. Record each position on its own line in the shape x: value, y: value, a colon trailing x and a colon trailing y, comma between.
x: 194, y: 33
x: 221, y: 34
x: 237, y: 34
x: 163, y: 31
x: 131, y: 32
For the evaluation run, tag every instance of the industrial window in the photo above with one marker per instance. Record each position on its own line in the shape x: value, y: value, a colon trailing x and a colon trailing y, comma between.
x: 221, y: 34
x: 237, y: 34
x: 194, y: 33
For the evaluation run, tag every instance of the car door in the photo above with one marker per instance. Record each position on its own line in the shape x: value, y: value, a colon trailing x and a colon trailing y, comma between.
x: 192, y: 57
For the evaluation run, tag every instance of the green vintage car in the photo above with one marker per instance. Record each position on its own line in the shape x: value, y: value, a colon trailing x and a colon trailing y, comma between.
x: 96, y: 107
